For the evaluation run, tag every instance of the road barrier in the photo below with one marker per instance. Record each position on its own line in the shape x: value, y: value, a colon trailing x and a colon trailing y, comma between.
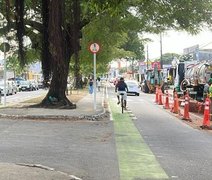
x: 186, y: 108
x: 171, y: 101
x: 175, y: 108
x: 156, y: 95
x: 160, y: 97
x: 206, y: 117
x: 166, y: 106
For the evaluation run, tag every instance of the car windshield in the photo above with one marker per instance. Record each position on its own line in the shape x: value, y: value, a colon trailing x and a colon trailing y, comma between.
x: 131, y: 83
x: 24, y: 82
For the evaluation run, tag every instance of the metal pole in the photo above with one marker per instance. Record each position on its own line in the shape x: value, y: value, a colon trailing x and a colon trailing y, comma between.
x: 161, y: 52
x: 147, y: 56
x: 94, y: 83
x: 4, y: 91
x: 132, y: 63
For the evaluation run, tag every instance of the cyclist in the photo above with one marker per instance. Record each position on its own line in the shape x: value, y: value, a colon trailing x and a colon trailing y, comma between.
x: 121, y: 87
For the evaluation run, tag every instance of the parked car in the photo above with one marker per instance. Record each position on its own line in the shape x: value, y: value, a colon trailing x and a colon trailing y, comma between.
x: 8, y: 90
x: 133, y: 87
x: 34, y: 84
x: 14, y: 86
x: 40, y: 85
x: 25, y: 86
x: 17, y: 80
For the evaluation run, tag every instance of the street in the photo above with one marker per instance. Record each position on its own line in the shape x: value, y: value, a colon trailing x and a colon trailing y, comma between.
x: 183, y: 152
x: 147, y: 142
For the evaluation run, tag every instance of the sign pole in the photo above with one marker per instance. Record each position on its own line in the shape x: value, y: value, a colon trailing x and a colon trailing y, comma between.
x: 94, y: 72
x: 94, y: 48
x: 5, y: 73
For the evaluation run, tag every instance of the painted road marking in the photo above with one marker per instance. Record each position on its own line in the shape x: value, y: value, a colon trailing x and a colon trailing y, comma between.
x: 136, y: 160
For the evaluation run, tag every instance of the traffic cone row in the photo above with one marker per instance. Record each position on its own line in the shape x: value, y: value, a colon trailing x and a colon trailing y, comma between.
x: 175, y: 108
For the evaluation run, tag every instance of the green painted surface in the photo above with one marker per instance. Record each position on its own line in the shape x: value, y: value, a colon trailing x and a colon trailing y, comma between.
x: 136, y: 160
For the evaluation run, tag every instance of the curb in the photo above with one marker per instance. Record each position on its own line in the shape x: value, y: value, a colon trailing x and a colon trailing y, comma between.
x: 16, y: 171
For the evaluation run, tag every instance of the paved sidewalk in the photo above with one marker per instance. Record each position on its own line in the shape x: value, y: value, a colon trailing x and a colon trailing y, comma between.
x: 85, y: 108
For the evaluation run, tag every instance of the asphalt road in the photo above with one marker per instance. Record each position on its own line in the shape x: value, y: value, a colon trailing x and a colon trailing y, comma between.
x: 182, y: 151
x: 85, y: 149
x: 153, y: 144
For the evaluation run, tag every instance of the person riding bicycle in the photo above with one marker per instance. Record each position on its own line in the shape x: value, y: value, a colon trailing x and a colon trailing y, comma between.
x: 121, y: 87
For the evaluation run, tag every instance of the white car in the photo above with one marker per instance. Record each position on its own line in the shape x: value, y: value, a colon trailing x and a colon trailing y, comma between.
x: 14, y: 86
x: 9, y: 89
x: 34, y: 84
x: 133, y: 87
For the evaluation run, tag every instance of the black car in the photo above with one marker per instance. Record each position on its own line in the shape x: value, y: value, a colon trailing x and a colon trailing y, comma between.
x: 25, y: 86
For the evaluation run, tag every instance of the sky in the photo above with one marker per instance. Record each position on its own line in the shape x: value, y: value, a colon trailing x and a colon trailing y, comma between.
x: 175, y: 42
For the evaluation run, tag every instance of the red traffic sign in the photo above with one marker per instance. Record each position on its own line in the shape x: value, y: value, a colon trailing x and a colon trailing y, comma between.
x: 94, y: 48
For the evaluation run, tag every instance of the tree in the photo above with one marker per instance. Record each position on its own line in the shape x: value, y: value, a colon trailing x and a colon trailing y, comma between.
x: 168, y: 57
x: 62, y: 22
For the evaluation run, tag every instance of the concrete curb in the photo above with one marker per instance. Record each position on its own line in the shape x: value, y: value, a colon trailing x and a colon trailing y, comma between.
x: 22, y: 171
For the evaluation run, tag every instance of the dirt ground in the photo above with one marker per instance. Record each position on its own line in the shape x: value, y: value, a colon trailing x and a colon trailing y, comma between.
x: 74, y: 96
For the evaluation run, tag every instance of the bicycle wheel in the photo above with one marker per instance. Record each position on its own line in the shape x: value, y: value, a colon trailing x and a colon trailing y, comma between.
x: 122, y: 105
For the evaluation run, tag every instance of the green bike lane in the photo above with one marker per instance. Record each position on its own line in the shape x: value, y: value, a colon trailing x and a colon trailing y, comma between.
x: 136, y: 160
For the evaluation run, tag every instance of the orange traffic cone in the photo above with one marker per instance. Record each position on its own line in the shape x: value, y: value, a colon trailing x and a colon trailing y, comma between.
x: 186, y: 108
x: 176, y: 104
x: 156, y: 95
x: 206, y: 119
x: 160, y: 97
x: 167, y: 101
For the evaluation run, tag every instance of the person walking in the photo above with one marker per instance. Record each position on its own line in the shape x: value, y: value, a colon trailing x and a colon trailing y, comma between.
x: 90, y: 86
x: 98, y: 84
x: 210, y: 96
x: 206, y: 91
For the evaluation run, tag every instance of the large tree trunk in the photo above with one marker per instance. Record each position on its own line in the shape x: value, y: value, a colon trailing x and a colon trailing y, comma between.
x: 76, y: 42
x: 45, y: 54
x: 60, y: 63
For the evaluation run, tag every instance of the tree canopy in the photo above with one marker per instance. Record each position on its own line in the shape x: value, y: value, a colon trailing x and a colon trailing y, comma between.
x: 61, y: 30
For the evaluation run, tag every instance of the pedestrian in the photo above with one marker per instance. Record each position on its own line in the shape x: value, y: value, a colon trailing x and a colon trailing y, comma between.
x: 90, y: 86
x: 98, y: 83
x: 206, y: 90
x: 210, y: 96
x: 210, y: 80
